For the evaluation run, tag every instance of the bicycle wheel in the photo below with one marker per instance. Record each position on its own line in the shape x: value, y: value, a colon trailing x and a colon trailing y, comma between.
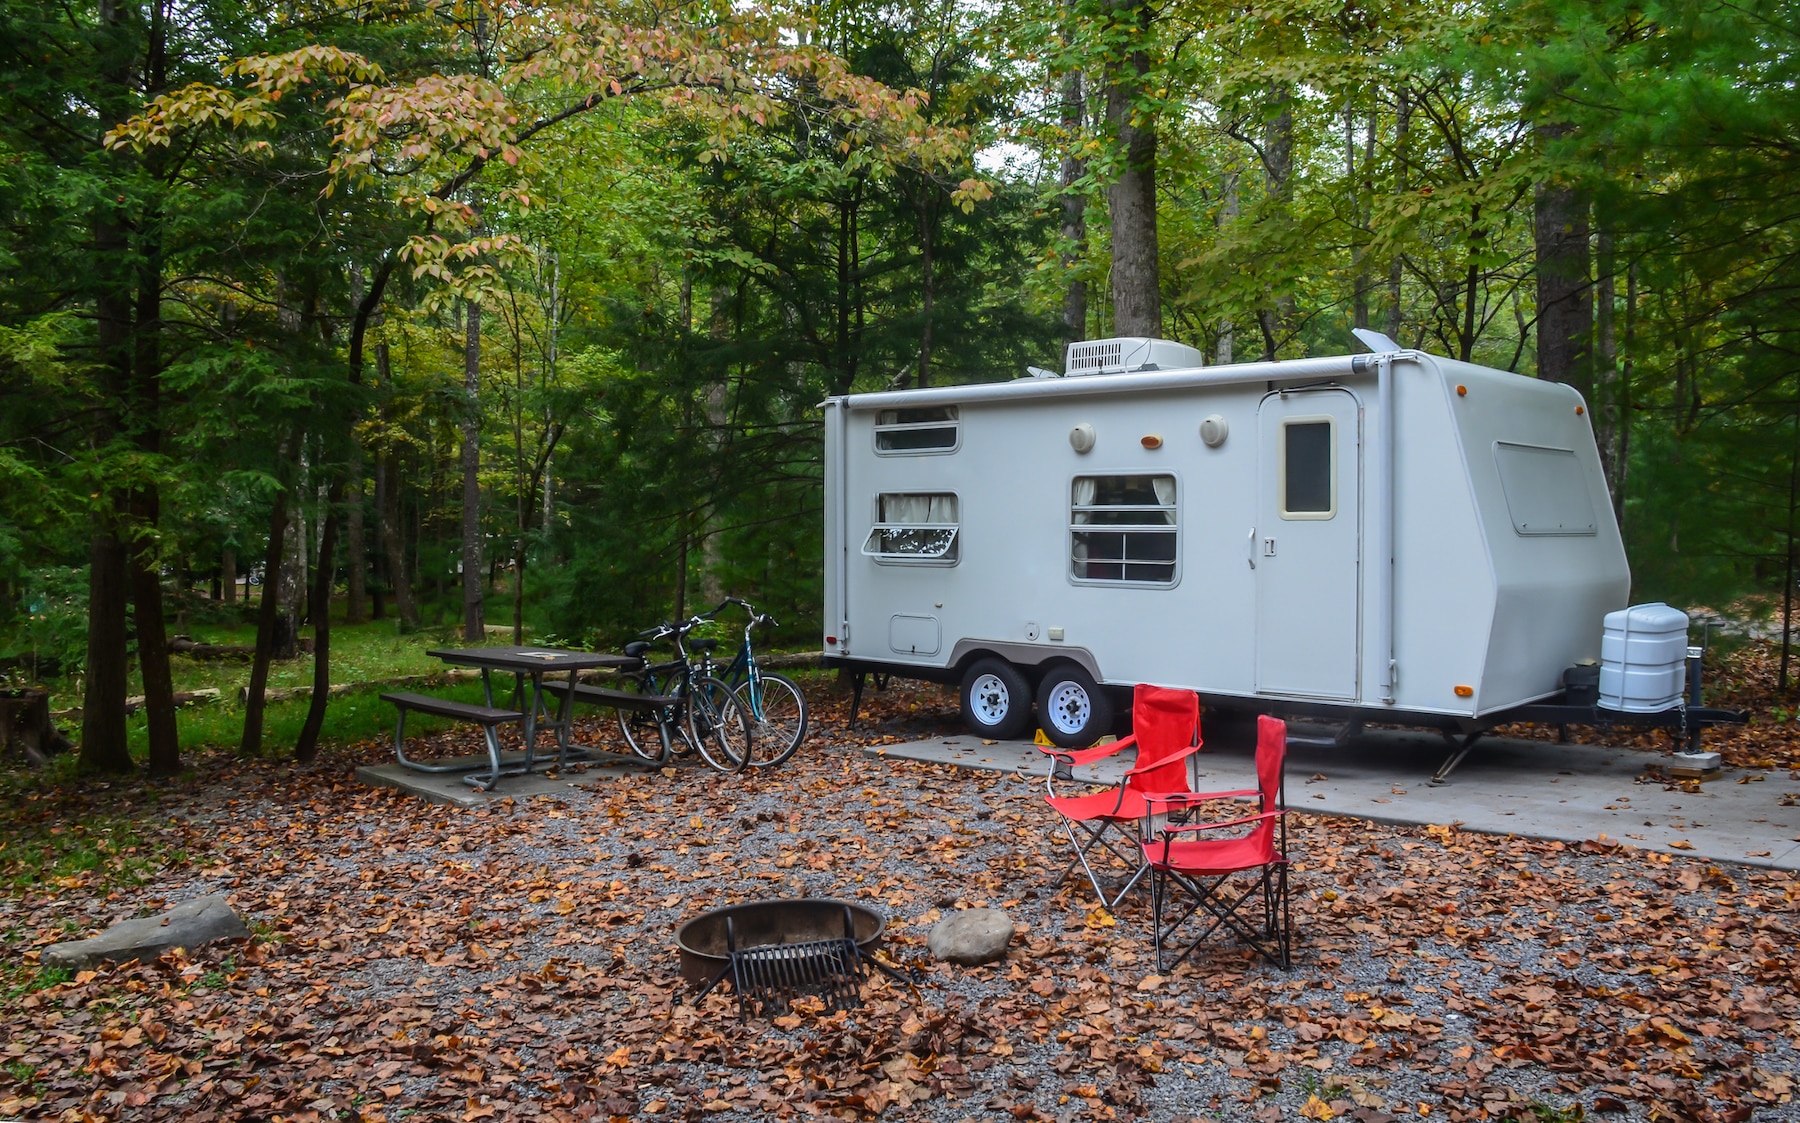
x: 639, y: 727
x: 717, y: 725
x: 777, y: 714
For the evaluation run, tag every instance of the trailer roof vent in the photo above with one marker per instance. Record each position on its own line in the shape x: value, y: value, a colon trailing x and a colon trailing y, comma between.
x: 1129, y: 353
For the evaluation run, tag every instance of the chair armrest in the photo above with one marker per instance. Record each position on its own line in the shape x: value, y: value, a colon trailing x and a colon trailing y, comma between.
x: 1191, y: 798
x: 1085, y: 756
x: 1180, y: 756
x: 1245, y: 821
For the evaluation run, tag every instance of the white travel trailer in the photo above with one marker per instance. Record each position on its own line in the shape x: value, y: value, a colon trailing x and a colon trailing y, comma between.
x: 1387, y: 537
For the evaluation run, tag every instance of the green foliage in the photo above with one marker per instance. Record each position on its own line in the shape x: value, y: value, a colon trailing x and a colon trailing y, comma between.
x: 47, y: 632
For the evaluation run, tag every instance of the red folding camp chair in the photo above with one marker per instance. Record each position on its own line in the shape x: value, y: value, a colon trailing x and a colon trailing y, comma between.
x: 1165, y: 728
x: 1203, y: 871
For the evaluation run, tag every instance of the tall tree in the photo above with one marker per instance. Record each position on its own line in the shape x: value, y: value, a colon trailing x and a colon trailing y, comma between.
x: 1131, y: 196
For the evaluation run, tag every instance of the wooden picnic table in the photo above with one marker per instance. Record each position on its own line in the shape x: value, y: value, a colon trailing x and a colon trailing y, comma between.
x: 533, y: 663
x: 524, y: 663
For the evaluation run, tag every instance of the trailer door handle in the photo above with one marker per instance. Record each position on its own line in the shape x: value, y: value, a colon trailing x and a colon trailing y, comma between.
x: 1250, y: 554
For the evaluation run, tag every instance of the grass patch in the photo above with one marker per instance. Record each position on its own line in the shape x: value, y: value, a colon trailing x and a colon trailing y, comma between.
x: 359, y: 715
x: 27, y: 980
x: 99, y: 853
x: 369, y: 652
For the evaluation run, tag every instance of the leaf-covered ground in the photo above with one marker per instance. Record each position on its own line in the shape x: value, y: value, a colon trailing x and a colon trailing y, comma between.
x: 517, y: 962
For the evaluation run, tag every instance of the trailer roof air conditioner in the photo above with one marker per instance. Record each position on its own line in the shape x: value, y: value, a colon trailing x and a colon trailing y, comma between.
x: 1128, y: 353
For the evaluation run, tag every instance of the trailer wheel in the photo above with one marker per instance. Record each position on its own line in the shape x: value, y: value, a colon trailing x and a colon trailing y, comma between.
x: 996, y: 699
x: 1072, y: 710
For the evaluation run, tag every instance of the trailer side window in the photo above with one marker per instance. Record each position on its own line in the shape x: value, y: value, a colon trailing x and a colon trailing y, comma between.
x: 1308, y: 468
x: 902, y: 431
x: 915, y: 527
x: 1123, y: 528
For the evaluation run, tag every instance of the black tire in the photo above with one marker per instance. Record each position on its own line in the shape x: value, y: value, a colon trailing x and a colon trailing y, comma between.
x: 996, y: 699
x: 782, y: 724
x: 1073, y: 711
x: 718, y: 726
x: 639, y: 727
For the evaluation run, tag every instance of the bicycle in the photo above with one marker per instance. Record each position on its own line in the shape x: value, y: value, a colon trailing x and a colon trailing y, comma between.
x: 702, y: 711
x: 774, y: 702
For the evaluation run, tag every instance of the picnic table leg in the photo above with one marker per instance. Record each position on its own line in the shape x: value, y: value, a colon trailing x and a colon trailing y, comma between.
x: 487, y: 687
x: 565, y: 718
x: 531, y: 713
x: 486, y: 781
x: 418, y: 766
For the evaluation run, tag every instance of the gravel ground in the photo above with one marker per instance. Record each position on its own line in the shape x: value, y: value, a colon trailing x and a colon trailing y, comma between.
x: 518, y: 962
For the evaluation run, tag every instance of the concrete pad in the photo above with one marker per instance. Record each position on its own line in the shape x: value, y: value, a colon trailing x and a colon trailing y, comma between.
x: 1537, y: 789
x: 450, y: 787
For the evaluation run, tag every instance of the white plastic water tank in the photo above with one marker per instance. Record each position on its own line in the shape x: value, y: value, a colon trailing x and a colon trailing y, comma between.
x: 1643, y: 658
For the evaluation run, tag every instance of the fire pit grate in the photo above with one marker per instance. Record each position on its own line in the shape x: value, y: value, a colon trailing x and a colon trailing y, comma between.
x: 770, y: 975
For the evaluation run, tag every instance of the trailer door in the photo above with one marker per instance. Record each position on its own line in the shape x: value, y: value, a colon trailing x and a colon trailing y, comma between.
x: 1307, y: 544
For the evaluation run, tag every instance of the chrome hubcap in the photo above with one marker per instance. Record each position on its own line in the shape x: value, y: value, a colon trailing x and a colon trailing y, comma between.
x: 1070, y: 707
x: 990, y: 700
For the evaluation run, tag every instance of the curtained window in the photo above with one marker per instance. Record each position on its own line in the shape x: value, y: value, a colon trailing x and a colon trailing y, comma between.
x: 914, y: 527
x: 1123, y: 528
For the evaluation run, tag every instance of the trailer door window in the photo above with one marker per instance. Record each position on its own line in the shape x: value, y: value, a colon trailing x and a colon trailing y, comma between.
x: 902, y: 431
x: 914, y: 527
x: 1308, y: 468
x: 1122, y: 528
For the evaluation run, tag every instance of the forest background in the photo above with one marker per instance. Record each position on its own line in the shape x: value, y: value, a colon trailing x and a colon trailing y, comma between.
x: 491, y: 313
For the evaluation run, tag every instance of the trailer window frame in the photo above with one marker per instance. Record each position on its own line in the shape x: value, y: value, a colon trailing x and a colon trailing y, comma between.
x: 918, y: 431
x: 1096, y: 516
x: 1284, y: 461
x: 937, y: 535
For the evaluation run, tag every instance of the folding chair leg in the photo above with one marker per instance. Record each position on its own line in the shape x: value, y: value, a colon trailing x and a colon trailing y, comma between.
x: 1271, y: 939
x: 1097, y: 837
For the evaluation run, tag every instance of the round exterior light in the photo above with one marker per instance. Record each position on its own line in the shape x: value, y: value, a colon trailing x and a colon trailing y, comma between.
x: 1213, y: 430
x: 1081, y: 438
x: 1150, y: 441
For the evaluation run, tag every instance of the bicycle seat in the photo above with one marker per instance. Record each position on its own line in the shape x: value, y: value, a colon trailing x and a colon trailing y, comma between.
x: 636, y: 649
x: 704, y: 644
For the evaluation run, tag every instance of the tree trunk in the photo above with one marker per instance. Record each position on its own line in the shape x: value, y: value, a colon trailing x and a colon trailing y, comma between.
x: 103, y: 736
x: 927, y: 279
x: 1362, y: 177
x: 1228, y: 214
x: 103, y: 745
x: 146, y: 564
x: 1137, y: 295
x: 228, y: 575
x: 153, y: 640
x: 473, y: 627
x: 267, y: 620
x: 1277, y: 318
x: 356, y: 563
x: 288, y: 579
x: 1074, y: 211
x: 1564, y: 293
x: 1402, y: 152
x: 307, y: 747
x: 393, y: 544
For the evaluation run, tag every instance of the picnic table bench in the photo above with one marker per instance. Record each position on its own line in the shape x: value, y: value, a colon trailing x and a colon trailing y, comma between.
x: 618, y: 700
x: 488, y: 717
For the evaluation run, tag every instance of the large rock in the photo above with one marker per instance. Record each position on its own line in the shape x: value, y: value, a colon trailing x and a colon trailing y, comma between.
x: 971, y: 937
x: 185, y: 926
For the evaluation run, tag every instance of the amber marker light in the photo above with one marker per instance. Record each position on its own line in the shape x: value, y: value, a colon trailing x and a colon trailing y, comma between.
x: 1465, y: 692
x: 1462, y: 391
x: 1152, y: 441
x: 1579, y: 410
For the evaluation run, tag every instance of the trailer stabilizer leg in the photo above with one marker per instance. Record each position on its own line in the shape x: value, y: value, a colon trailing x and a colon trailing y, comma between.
x: 1442, y: 775
x: 856, y: 689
